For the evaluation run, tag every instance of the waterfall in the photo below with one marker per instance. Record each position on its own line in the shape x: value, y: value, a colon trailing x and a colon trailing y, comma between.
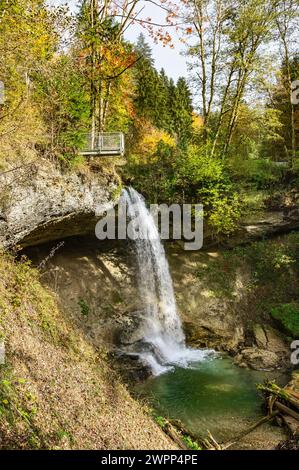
x: 163, y: 337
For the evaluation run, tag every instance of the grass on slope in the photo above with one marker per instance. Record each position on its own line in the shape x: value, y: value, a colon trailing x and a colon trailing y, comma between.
x: 56, y: 390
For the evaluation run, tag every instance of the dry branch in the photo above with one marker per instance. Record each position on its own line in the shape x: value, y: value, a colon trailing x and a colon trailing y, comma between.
x: 174, y: 435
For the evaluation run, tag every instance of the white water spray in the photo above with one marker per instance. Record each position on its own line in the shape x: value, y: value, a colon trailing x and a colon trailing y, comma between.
x: 163, y: 336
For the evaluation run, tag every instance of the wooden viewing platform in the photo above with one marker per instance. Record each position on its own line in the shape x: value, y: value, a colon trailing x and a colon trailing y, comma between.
x: 105, y: 144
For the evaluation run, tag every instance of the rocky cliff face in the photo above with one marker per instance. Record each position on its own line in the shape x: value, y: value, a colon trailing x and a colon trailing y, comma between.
x: 95, y: 284
x: 41, y: 202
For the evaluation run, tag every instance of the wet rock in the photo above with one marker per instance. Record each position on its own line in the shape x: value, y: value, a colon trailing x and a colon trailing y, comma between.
x: 130, y: 367
x: 214, y: 332
x: 258, y: 359
x: 267, y: 337
x: 131, y: 329
x: 260, y: 336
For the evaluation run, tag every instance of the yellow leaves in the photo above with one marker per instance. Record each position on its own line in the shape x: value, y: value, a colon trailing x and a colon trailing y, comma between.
x: 197, y: 123
x: 150, y: 141
x: 155, y: 137
x: 112, y: 59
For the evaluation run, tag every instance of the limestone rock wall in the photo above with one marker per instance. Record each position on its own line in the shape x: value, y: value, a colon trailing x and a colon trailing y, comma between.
x: 40, y: 202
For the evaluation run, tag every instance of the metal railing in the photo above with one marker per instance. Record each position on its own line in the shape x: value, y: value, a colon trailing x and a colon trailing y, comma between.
x: 106, y: 143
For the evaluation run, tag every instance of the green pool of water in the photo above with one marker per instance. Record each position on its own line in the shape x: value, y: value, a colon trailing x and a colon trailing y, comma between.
x: 214, y: 395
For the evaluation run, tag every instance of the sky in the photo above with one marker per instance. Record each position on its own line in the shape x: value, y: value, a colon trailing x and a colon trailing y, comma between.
x: 165, y: 57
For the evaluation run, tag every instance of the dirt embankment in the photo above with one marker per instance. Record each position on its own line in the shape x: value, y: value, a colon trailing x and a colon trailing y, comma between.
x: 57, y: 390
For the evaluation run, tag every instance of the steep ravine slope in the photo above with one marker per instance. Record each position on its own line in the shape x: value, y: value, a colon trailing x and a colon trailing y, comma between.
x: 57, y: 389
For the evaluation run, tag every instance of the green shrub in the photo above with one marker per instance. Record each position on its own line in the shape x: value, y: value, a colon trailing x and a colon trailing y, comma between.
x: 259, y: 173
x: 288, y: 317
x: 84, y: 307
x: 160, y: 421
x: 269, y: 261
x: 272, y: 265
x: 188, y: 175
x: 191, y: 444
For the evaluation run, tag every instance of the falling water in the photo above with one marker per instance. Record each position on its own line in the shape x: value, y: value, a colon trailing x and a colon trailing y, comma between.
x: 163, y: 336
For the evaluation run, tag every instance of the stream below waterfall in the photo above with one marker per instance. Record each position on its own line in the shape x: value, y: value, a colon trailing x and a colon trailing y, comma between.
x: 213, y: 395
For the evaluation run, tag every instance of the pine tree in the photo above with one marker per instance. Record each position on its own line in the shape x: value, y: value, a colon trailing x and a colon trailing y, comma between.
x: 171, y: 92
x: 158, y: 99
x: 143, y: 49
x: 146, y: 78
x: 163, y: 118
x: 181, y: 110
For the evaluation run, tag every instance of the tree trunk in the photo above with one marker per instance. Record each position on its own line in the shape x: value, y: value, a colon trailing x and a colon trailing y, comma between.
x: 93, y: 87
